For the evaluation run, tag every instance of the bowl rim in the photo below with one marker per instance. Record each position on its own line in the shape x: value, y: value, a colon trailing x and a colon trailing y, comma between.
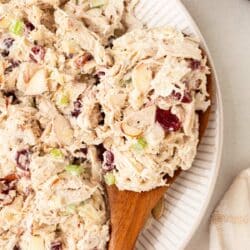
x: 220, y: 123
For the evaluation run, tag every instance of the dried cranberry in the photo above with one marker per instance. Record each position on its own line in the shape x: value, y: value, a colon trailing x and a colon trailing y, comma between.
x: 57, y: 245
x: 36, y: 50
x: 169, y: 122
x: 29, y: 26
x: 176, y: 95
x: 108, y: 157
x: 38, y: 53
x: 8, y: 42
x: 77, y: 107
x: 23, y: 160
x: 108, y: 163
x: 194, y: 64
x: 16, y: 247
x: 80, y: 61
x: 187, y: 98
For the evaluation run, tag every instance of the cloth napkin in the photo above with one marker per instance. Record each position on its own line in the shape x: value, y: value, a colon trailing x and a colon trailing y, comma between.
x: 230, y: 222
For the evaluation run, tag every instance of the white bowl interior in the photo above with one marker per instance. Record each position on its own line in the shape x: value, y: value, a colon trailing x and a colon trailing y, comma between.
x: 188, y: 197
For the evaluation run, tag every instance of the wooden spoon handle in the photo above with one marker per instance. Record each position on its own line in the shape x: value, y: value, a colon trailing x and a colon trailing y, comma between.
x: 130, y: 211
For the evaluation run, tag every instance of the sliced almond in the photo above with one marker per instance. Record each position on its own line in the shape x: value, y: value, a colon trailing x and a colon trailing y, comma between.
x: 137, y: 122
x: 36, y: 243
x: 38, y: 83
x: 130, y: 130
x: 141, y: 78
x: 63, y: 130
x: 158, y: 210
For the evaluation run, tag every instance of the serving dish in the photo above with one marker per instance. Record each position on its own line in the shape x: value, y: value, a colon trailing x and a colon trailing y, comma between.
x: 187, y: 199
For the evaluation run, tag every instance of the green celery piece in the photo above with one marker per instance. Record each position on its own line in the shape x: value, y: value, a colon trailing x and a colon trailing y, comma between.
x: 64, y: 100
x: 75, y: 170
x: 109, y: 179
x: 56, y: 153
x: 17, y: 27
x: 140, y: 144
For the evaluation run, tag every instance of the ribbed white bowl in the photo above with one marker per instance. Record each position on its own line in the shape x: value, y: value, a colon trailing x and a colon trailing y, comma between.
x: 188, y: 197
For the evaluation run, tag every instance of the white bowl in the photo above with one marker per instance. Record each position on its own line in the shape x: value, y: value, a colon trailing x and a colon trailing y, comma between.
x: 187, y: 199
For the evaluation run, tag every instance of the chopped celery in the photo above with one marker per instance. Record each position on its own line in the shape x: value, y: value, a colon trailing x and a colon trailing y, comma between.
x: 109, y: 179
x: 17, y: 27
x: 140, y: 144
x: 56, y: 153
x: 75, y: 170
x: 64, y: 100
x: 97, y: 3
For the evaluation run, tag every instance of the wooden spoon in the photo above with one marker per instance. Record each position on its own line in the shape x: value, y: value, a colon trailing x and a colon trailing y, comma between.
x: 130, y: 210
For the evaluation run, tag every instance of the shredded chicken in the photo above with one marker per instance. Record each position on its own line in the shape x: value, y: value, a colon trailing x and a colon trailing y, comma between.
x: 161, y: 75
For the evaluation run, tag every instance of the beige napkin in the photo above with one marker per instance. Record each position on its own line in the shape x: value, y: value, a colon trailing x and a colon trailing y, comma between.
x: 230, y: 222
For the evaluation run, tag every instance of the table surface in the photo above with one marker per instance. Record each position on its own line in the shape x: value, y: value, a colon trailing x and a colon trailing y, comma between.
x: 225, y: 25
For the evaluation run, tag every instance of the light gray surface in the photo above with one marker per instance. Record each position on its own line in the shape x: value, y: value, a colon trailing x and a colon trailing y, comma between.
x: 225, y: 25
